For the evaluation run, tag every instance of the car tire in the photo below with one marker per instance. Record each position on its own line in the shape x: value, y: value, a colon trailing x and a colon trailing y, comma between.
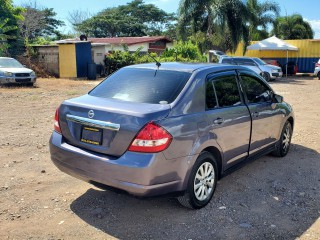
x: 202, y: 182
x: 283, y: 145
x: 318, y: 75
x: 266, y: 76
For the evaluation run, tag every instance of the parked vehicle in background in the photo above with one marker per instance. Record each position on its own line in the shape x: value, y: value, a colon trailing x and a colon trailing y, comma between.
x: 267, y: 71
x: 13, y: 72
x: 170, y: 129
x: 317, y: 69
x: 290, y: 68
x: 216, y: 54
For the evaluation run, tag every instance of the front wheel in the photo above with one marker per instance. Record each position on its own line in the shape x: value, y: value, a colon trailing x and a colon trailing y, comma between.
x: 202, y: 182
x: 284, y: 142
x: 266, y: 76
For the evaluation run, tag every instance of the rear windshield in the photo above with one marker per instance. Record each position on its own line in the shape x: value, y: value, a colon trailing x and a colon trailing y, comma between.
x: 142, y: 85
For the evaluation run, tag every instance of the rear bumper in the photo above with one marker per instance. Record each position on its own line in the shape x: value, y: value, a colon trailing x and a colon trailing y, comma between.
x: 139, y: 174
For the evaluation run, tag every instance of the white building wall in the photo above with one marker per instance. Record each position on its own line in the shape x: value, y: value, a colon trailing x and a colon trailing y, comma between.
x: 132, y: 48
x: 98, y: 54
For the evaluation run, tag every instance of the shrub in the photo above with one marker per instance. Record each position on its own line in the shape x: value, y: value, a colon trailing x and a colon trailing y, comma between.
x: 181, y: 52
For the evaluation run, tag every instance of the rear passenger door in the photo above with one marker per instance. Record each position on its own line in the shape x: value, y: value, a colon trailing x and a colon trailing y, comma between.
x: 265, y: 116
x: 228, y: 116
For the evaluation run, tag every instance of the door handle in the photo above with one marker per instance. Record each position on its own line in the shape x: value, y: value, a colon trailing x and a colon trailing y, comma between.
x: 255, y: 114
x: 218, y: 121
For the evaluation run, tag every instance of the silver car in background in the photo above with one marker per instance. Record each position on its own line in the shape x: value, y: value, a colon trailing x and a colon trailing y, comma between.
x: 13, y: 72
x: 267, y: 71
x: 170, y: 128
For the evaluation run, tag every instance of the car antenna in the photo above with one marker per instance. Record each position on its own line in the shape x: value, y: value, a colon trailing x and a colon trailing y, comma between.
x: 157, y: 63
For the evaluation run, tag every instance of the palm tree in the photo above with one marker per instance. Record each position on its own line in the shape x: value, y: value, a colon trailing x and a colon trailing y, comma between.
x: 292, y: 27
x: 261, y: 14
x: 4, y: 36
x: 225, y: 18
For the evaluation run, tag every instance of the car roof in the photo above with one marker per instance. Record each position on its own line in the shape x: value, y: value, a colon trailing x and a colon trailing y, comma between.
x: 241, y: 57
x: 186, y: 67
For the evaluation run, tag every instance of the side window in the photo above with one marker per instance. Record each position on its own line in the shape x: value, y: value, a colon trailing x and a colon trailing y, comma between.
x: 211, y: 98
x: 227, y: 60
x: 255, y: 89
x: 245, y: 62
x: 222, y: 92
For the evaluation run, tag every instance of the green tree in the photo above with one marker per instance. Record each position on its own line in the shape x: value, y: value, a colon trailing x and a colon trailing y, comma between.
x: 111, y: 23
x: 9, y: 31
x: 292, y: 27
x: 134, y: 19
x: 225, y: 18
x: 39, y: 22
x: 261, y: 14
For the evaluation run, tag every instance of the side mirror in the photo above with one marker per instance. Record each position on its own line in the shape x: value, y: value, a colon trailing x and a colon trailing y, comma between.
x: 277, y: 98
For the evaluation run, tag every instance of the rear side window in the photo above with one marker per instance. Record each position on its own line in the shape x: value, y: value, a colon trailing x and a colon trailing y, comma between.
x: 222, y: 92
x: 255, y: 90
x: 142, y: 85
x: 244, y: 61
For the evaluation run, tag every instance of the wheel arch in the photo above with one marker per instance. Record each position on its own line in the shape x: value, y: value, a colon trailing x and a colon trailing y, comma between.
x: 291, y: 121
x: 215, y: 152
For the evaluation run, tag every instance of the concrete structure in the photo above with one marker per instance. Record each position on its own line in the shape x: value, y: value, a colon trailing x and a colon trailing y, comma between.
x: 74, y: 58
x: 103, y: 46
x: 48, y: 57
x: 62, y: 58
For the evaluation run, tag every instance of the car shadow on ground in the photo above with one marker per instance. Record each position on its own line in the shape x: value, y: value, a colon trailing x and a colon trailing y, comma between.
x: 297, y: 80
x: 270, y: 198
x: 21, y: 85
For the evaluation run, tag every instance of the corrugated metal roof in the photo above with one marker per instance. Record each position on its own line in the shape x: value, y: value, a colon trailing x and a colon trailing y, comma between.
x: 129, y: 40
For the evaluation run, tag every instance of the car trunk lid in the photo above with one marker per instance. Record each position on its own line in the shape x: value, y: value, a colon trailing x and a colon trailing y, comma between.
x: 106, y: 125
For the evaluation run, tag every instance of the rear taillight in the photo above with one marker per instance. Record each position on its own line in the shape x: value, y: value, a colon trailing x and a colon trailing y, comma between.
x: 151, y: 139
x: 56, y: 122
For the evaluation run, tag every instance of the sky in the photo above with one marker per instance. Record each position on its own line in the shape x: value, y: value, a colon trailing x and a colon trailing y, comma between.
x: 307, y: 8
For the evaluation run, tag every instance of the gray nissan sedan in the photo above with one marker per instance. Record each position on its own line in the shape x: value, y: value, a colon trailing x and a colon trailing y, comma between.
x: 171, y: 129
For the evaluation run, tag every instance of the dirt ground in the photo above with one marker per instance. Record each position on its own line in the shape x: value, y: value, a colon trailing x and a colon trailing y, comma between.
x: 270, y: 198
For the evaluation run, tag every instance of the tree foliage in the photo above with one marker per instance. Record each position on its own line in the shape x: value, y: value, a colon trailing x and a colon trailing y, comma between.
x: 292, y: 27
x: 9, y: 31
x: 131, y: 20
x: 226, y: 18
x: 39, y: 22
x: 261, y: 14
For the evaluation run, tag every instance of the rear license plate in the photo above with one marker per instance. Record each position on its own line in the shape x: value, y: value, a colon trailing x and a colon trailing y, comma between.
x: 91, y: 135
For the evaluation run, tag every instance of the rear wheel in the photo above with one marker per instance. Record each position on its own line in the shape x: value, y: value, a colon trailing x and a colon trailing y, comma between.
x: 318, y: 75
x: 284, y: 142
x: 202, y: 182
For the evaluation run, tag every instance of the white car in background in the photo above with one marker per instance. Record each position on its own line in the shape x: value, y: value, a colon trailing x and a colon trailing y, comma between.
x: 267, y: 71
x: 217, y: 54
x: 317, y: 69
x: 13, y: 72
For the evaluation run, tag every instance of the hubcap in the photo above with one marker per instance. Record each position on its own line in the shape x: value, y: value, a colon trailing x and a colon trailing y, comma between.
x: 204, y: 181
x: 286, y: 139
